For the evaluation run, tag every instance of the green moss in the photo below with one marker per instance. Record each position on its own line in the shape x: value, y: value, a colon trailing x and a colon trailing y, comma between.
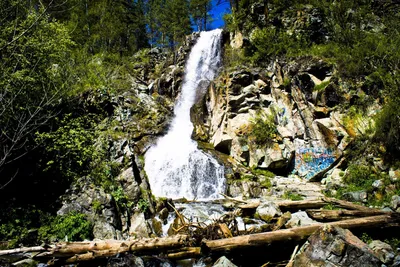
x: 292, y: 196
x: 321, y: 86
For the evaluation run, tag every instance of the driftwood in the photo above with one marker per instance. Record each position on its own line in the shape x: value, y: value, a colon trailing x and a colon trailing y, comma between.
x: 319, y: 203
x: 299, y: 233
x: 71, y: 252
x: 337, y: 215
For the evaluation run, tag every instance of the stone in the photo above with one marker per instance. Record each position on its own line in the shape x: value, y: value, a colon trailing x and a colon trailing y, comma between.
x: 268, y: 210
x: 394, y: 175
x: 396, y: 261
x: 129, y: 184
x: 377, y: 184
x: 250, y: 90
x: 223, y: 262
x: 138, y: 226
x: 222, y: 142
x: 100, y: 208
x: 395, y: 202
x: 236, y: 101
x: 164, y: 214
x: 299, y: 218
x: 125, y: 259
x: 236, y: 40
x: 357, y: 196
x: 333, y: 246
x: 384, y: 251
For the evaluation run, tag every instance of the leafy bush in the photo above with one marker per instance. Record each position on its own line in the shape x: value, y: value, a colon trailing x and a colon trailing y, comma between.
x: 270, y: 42
x: 74, y: 227
x: 263, y: 129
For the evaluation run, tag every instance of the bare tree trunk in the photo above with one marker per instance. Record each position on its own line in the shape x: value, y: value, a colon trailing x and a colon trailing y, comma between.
x: 299, y: 233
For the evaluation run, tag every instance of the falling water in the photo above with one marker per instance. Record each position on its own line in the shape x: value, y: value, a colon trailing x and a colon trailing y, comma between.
x: 175, y: 167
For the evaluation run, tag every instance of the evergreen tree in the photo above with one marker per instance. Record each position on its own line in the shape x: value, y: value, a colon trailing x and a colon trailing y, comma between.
x: 199, y: 10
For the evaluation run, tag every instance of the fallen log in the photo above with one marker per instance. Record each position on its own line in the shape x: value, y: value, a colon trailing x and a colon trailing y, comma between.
x: 347, y: 205
x: 338, y: 215
x: 299, y: 233
x: 88, y: 250
x: 319, y: 203
x: 301, y: 204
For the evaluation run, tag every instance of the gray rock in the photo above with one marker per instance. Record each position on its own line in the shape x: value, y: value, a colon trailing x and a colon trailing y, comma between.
x: 99, y: 207
x: 223, y: 262
x: 332, y: 246
x: 299, y: 218
x: 396, y: 261
x: 395, y: 203
x: 164, y: 214
x: 138, y: 226
x: 384, y: 251
x: 377, y: 184
x: 394, y: 175
x: 130, y: 185
x: 268, y: 210
x: 357, y: 196
x: 250, y: 90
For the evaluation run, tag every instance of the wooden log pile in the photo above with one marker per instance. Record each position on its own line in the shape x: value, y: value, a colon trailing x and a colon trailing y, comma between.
x: 350, y: 216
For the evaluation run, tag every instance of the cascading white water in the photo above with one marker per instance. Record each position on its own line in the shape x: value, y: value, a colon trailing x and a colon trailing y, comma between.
x: 175, y: 167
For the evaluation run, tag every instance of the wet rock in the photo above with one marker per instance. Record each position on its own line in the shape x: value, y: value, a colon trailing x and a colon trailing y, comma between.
x: 157, y: 227
x: 267, y: 210
x: 124, y: 260
x: 223, y: 262
x: 384, y: 251
x: 164, y: 214
x: 333, y: 246
x: 299, y: 218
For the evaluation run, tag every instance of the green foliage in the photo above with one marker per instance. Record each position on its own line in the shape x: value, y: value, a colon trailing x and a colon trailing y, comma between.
x: 17, y: 225
x: 292, y: 196
x: 262, y: 129
x: 266, y: 173
x: 72, y: 226
x: 321, y: 86
x: 366, y: 238
x: 143, y: 205
x: 393, y: 242
x: 271, y: 42
x: 71, y: 147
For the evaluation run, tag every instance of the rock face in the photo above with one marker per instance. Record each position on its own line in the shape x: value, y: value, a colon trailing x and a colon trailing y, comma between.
x: 223, y: 262
x: 298, y: 130
x: 333, y: 246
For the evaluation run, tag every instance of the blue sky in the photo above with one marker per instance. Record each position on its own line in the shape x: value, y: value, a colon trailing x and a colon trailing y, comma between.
x: 218, y: 12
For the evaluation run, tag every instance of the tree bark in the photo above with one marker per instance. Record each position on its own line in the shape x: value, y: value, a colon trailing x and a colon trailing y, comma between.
x: 299, y: 233
x: 337, y: 215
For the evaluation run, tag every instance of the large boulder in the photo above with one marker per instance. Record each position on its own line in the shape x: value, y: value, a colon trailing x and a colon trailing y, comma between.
x: 223, y: 262
x: 333, y: 246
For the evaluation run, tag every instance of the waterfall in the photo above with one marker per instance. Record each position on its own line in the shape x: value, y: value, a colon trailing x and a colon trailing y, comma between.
x: 175, y: 167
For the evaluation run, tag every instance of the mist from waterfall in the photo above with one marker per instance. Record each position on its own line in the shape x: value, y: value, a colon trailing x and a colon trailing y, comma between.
x: 175, y: 167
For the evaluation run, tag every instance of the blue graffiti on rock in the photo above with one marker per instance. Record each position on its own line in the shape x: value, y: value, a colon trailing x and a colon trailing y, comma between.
x: 313, y: 160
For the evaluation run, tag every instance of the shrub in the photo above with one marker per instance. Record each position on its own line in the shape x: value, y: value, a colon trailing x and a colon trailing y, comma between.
x: 73, y: 226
